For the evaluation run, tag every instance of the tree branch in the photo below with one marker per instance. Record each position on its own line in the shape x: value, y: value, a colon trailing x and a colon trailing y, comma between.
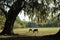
x: 5, y: 12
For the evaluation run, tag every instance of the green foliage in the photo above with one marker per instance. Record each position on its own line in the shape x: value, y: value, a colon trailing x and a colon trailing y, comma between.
x: 2, y: 21
x: 31, y: 8
x: 19, y: 24
x: 23, y: 23
x: 51, y: 24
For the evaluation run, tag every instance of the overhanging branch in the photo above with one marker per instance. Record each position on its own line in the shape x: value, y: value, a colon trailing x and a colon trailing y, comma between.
x: 6, y: 5
x: 5, y: 12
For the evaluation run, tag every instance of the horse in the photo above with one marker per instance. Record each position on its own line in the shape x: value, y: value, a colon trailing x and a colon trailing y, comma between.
x: 30, y: 30
x: 35, y: 30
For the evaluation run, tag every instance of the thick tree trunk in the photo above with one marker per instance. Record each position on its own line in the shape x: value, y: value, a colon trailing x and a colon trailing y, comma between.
x: 12, y: 14
x: 58, y: 33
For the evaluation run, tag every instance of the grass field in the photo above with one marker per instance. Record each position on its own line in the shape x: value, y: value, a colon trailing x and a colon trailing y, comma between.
x: 24, y: 34
x: 41, y: 31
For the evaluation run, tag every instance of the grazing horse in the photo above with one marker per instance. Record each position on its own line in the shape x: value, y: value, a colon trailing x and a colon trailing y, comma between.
x: 30, y: 30
x: 35, y: 30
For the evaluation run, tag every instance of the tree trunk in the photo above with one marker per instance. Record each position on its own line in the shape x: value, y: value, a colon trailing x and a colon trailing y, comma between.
x: 12, y: 14
x: 58, y: 17
x: 58, y: 33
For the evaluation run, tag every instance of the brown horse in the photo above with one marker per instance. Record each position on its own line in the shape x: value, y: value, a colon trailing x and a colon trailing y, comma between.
x: 30, y: 30
x: 35, y: 30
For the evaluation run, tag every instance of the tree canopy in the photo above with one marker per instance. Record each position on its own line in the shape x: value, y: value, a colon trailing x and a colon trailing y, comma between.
x: 43, y: 10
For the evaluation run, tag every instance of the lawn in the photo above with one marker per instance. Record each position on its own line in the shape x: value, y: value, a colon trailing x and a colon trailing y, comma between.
x: 41, y: 31
x: 24, y: 34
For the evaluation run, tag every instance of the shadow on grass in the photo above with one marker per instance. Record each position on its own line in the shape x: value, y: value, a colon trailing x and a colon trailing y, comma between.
x: 20, y: 37
x: 24, y: 37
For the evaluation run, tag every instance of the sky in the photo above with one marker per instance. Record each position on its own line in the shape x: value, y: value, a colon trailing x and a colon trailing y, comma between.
x: 22, y: 17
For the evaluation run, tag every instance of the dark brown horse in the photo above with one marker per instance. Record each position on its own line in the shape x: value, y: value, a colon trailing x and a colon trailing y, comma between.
x: 30, y: 30
x: 35, y: 30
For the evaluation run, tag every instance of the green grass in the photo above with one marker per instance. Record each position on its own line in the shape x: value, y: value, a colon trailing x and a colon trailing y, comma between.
x: 41, y: 31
